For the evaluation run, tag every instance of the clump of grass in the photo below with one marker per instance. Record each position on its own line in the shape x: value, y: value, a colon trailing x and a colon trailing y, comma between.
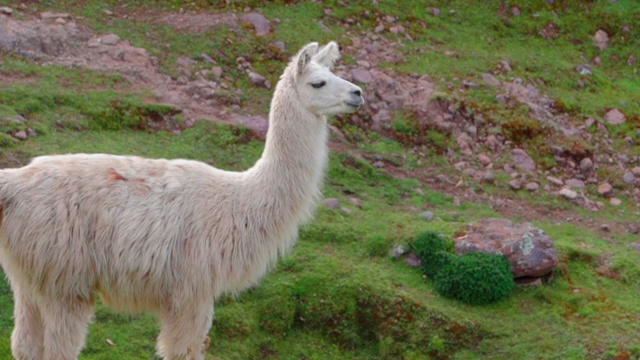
x: 476, y: 278
x: 434, y: 250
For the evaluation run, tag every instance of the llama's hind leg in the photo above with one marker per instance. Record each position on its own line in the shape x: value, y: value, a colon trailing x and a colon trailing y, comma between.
x: 28, y: 335
x: 65, y: 326
x: 184, y: 333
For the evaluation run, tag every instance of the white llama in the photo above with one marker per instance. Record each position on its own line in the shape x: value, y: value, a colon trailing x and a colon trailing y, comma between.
x: 166, y: 236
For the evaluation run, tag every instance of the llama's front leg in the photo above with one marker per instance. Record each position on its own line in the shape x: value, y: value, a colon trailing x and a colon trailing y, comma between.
x: 184, y: 332
x: 28, y: 335
x: 65, y: 327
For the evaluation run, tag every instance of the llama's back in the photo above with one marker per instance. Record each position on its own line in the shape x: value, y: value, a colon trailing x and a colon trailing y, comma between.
x: 126, y: 226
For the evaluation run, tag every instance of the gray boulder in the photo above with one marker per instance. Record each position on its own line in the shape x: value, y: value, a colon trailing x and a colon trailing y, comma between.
x: 530, y: 251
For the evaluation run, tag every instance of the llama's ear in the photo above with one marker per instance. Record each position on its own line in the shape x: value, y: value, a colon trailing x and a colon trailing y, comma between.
x: 305, y: 55
x: 328, y: 55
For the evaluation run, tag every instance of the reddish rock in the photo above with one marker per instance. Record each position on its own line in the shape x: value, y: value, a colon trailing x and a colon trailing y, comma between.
x: 530, y: 251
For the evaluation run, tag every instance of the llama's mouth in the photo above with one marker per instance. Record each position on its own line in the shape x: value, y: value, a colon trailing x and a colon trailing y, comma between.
x: 354, y: 105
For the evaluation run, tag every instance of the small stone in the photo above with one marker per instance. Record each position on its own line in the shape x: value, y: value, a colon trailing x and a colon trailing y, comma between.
x: 6, y: 10
x: 605, y: 189
x: 427, y: 215
x: 601, y: 39
x: 217, y: 72
x: 470, y: 84
x: 49, y: 16
x: 20, y: 135
x: 484, y: 159
x: 605, y: 227
x: 110, y: 39
x: 259, y: 23
x: 397, y: 29
x: 523, y: 160
x: 628, y: 177
x: 636, y: 171
x: 355, y: 202
x: 568, y: 193
x: 107, y: 12
x: 436, y: 11
x: 532, y: 186
x: 346, y: 210
x: 584, y: 70
x: 589, y: 122
x: 615, y: 117
x: 501, y: 98
x: 490, y: 79
x: 259, y: 80
x: 506, y: 66
x: 31, y: 132
x: 488, y: 178
x: 361, y: 75
x: 413, y: 260
x: 379, y: 28
x: 515, y: 11
x: 397, y: 252
x: 443, y: 179
x: 597, y: 61
x: 555, y: 180
x: 332, y: 203
x: 615, y: 201
x: 378, y: 164
x: 327, y: 12
x: 586, y: 165
x: 515, y: 184
x: 279, y: 45
x: 576, y: 183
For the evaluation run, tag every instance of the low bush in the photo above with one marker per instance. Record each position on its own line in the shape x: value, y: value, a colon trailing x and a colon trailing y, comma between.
x: 434, y: 250
x: 475, y: 278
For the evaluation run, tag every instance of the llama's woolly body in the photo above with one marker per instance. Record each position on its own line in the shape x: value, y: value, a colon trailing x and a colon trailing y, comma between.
x: 167, y: 236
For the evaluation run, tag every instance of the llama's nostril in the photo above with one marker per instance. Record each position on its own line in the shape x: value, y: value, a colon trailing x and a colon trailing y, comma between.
x: 357, y: 92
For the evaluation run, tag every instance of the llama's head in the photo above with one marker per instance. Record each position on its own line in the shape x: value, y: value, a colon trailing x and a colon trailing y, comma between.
x: 321, y: 91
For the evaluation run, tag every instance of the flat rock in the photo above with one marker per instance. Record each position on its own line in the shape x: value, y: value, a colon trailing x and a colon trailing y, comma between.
x: 529, y: 249
x: 554, y: 180
x: 259, y: 80
x: 523, y: 160
x: 50, y: 16
x: 490, y: 79
x: 21, y: 135
x: 568, y: 193
x: 6, y: 10
x: 615, y: 117
x: 360, y: 75
x: 532, y: 186
x: 576, y: 183
x: 110, y: 39
x: 258, y: 21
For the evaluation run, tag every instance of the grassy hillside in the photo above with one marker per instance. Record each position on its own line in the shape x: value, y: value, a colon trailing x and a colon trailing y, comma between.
x: 339, y: 295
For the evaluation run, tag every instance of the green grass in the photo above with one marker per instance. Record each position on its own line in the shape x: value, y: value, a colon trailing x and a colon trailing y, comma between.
x: 338, y: 295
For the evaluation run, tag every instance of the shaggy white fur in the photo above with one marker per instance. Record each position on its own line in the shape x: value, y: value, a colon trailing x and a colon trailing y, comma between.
x: 166, y: 236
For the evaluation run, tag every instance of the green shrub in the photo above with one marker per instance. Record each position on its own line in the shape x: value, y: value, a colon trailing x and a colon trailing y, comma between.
x: 476, y: 278
x: 434, y: 250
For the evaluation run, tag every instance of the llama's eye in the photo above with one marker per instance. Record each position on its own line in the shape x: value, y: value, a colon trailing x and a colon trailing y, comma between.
x: 319, y: 84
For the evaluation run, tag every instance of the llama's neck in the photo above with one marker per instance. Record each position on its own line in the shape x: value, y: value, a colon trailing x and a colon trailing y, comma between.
x: 291, y: 168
